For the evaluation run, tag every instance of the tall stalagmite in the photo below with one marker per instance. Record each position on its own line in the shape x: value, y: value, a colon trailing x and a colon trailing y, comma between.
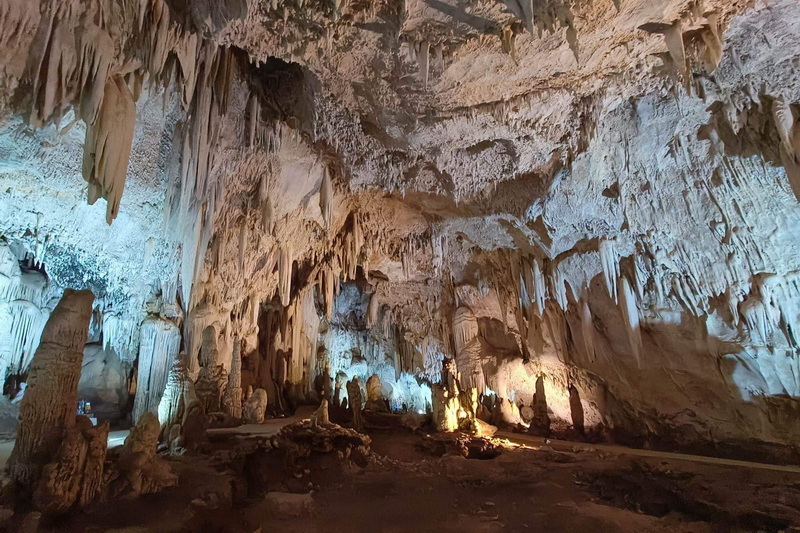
x: 50, y: 404
x: 233, y: 392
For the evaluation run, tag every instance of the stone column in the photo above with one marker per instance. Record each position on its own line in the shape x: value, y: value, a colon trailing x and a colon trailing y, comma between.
x: 49, y: 407
x: 233, y: 392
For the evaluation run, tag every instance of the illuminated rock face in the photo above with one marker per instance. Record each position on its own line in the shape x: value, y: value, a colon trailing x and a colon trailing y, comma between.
x: 588, y: 206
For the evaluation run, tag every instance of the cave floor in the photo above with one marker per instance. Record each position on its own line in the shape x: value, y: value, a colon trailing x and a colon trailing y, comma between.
x: 239, y: 487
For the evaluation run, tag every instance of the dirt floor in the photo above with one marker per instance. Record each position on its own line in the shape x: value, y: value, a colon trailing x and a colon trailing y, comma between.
x: 242, y: 484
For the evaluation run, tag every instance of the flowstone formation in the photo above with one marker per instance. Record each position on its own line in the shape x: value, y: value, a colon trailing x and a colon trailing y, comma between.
x: 565, y: 218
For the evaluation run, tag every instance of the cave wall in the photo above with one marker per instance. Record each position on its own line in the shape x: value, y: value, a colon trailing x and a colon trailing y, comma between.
x: 605, y: 193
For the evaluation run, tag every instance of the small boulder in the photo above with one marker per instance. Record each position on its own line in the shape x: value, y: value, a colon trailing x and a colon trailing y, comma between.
x: 255, y: 407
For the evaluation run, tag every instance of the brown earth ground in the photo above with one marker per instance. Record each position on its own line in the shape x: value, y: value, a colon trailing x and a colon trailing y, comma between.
x: 530, y: 486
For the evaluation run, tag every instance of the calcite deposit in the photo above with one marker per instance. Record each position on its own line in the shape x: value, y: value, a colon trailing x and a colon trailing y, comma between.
x: 569, y: 218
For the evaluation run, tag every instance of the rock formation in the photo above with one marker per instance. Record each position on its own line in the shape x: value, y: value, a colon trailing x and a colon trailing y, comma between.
x: 138, y: 470
x: 255, y: 407
x: 76, y: 475
x: 355, y: 401
x: 375, y: 400
x: 212, y: 379
x: 48, y: 410
x: 586, y: 208
x: 232, y: 400
x: 172, y: 407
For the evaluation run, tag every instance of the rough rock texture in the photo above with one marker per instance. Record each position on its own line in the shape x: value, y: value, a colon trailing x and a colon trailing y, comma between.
x: 212, y: 378
x: 172, y: 407
x: 355, y: 402
x: 48, y: 409
x: 137, y: 470
x: 589, y: 206
x: 232, y: 399
x: 255, y: 407
x: 374, y: 394
x: 301, y: 439
x: 75, y: 477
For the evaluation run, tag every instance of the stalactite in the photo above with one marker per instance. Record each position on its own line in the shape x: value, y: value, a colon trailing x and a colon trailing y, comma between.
x: 587, y: 325
x: 610, y: 262
x: 424, y: 61
x: 465, y: 328
x: 159, y: 345
x: 48, y: 408
x: 372, y: 310
x: 539, y: 287
x: 630, y: 316
x: 285, y: 275
x: 108, y: 144
x: 121, y: 334
x: 326, y: 197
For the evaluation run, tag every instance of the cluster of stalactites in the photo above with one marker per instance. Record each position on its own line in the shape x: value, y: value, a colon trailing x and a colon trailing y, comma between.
x: 534, y: 287
x: 23, y: 312
x: 695, y: 37
x: 158, y: 348
x: 343, y: 263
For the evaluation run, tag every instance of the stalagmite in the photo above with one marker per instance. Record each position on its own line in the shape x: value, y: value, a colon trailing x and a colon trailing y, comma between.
x: 139, y: 470
x: 255, y: 407
x: 76, y: 474
x: 211, y: 380
x: 171, y: 408
x: 51, y: 397
x: 233, y: 392
x: 374, y: 395
x: 320, y: 417
x: 355, y: 401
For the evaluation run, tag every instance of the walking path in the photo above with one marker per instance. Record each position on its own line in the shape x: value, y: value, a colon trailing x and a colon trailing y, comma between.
x: 560, y: 445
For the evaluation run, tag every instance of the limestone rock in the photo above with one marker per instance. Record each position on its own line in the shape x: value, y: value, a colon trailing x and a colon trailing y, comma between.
x: 51, y: 398
x: 321, y: 417
x: 256, y: 407
x: 374, y: 395
x: 446, y: 409
x: 171, y: 408
x: 355, y: 399
x: 143, y: 437
x: 232, y: 400
x: 75, y: 477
